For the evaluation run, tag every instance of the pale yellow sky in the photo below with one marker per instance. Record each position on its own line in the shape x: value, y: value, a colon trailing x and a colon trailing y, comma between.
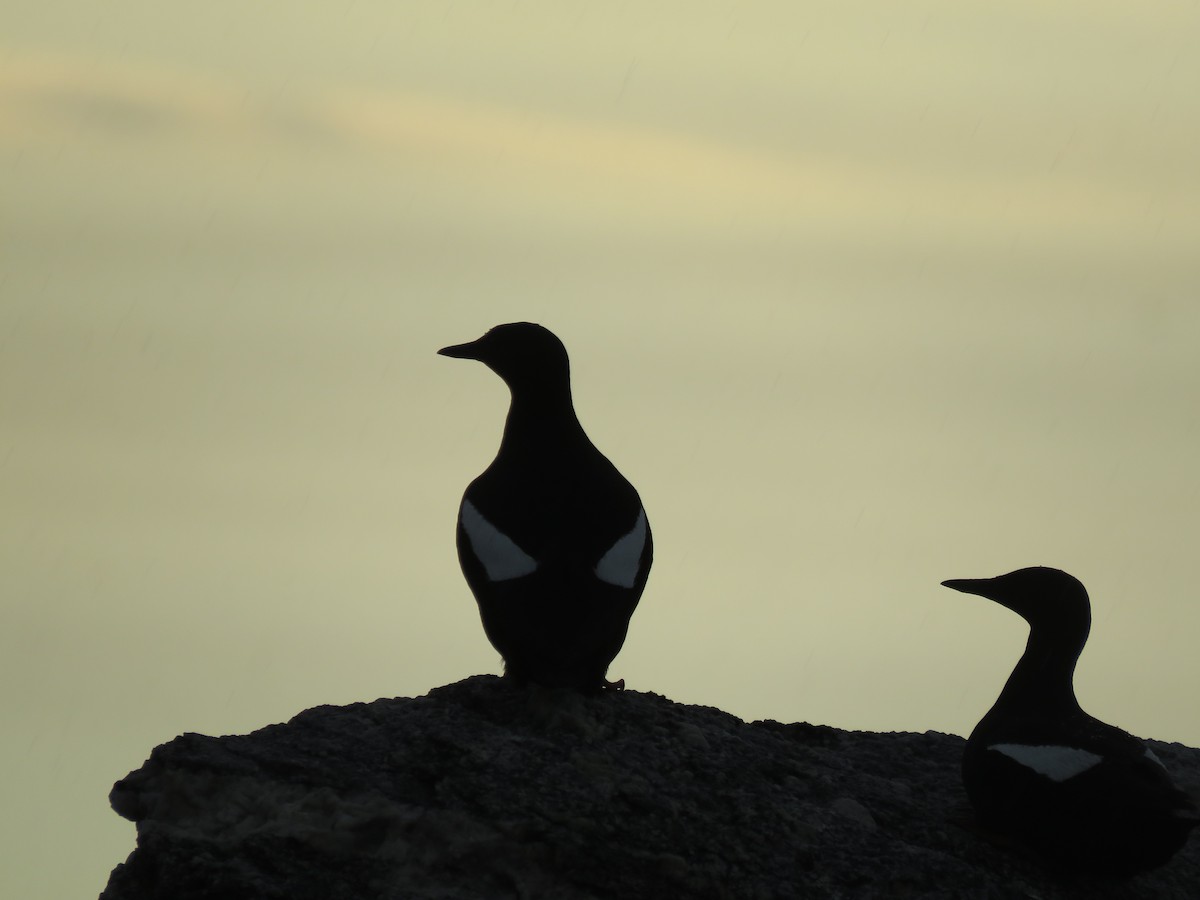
x: 860, y: 297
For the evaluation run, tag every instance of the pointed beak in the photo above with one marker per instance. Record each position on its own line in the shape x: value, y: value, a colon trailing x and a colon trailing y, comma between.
x: 993, y: 589
x: 461, y: 351
x: 970, y: 585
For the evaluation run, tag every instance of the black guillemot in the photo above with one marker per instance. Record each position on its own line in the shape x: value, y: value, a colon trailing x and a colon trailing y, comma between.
x: 553, y: 541
x: 1089, y: 797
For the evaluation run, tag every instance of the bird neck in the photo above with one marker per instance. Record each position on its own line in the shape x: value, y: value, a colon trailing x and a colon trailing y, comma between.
x: 540, y: 422
x: 1044, y: 678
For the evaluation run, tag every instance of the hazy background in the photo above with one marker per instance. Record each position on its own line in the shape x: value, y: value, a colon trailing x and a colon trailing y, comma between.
x: 860, y: 297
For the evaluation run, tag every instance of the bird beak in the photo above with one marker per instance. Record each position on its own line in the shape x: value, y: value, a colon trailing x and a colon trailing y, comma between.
x: 987, y: 587
x: 461, y: 351
x: 970, y: 585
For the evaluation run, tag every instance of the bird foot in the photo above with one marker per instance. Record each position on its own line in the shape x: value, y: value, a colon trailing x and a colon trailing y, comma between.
x: 618, y: 685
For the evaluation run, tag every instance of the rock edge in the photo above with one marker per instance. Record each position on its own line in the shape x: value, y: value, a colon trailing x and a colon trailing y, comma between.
x: 481, y: 790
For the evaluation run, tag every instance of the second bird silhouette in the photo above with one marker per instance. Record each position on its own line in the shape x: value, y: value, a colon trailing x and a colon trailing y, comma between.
x: 552, y: 539
x: 1086, y: 794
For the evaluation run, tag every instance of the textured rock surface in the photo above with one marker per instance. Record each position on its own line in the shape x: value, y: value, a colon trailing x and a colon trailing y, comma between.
x: 480, y: 790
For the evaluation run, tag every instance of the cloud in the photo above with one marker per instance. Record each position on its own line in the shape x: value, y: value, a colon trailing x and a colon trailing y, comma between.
x: 687, y: 174
x: 50, y: 97
x: 485, y: 158
x: 84, y: 106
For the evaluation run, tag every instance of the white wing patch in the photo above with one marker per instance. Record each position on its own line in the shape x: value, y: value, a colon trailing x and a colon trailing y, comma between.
x: 1154, y: 759
x: 1056, y: 763
x: 502, y: 559
x: 619, y: 565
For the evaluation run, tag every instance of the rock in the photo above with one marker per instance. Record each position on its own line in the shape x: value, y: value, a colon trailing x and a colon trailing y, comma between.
x: 853, y: 811
x: 482, y: 790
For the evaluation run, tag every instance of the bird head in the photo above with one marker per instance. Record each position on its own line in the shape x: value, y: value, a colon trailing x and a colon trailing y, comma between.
x: 1046, y: 598
x: 525, y: 355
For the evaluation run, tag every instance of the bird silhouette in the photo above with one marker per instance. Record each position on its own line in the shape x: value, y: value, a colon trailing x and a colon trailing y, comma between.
x: 553, y: 541
x: 1086, y: 795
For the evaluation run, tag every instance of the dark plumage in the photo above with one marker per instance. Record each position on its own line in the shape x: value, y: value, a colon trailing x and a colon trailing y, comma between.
x: 1088, y: 796
x: 552, y: 539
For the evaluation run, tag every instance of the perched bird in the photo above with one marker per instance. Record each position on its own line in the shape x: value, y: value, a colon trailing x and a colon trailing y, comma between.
x: 552, y: 539
x: 1089, y: 797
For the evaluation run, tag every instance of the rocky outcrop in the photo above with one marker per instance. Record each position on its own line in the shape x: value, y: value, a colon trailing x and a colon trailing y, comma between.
x: 481, y: 790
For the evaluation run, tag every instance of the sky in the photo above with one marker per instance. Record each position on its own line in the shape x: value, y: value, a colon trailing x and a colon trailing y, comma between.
x: 861, y: 296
